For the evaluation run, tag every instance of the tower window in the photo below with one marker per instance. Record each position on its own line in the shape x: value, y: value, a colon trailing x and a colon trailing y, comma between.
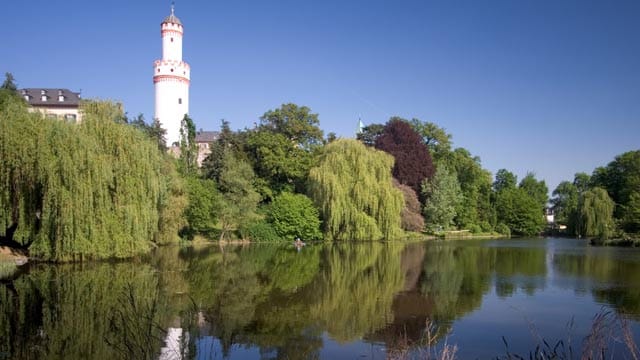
x: 171, y: 70
x: 171, y: 39
x: 180, y: 101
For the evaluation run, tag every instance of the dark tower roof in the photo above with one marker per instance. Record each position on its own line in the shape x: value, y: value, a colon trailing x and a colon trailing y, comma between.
x: 172, y: 19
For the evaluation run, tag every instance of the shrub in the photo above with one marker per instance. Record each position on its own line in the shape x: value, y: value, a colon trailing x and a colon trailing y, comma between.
x: 475, y: 229
x: 503, y: 229
x: 260, y: 231
x: 294, y: 215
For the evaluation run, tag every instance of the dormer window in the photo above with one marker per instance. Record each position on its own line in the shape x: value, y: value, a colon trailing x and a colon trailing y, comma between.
x: 44, y: 98
x: 27, y: 97
x: 60, y: 98
x: 59, y: 92
x: 43, y: 92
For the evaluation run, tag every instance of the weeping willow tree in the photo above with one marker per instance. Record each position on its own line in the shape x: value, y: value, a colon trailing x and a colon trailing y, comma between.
x: 596, y: 213
x: 352, y: 187
x: 72, y: 192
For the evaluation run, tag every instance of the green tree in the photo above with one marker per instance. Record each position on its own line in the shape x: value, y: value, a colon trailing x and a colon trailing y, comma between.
x: 202, y: 211
x: 279, y: 163
x: 565, y: 205
x: 621, y: 178
x: 294, y: 215
x: 370, y: 133
x: 188, y: 146
x: 596, y: 211
x: 436, y: 138
x: 352, y: 187
x: 296, y: 123
x: 519, y: 211
x: 505, y: 180
x: 9, y: 83
x: 239, y: 200
x: 443, y: 196
x: 536, y: 189
x: 282, y: 148
x: 476, y: 208
x: 73, y: 192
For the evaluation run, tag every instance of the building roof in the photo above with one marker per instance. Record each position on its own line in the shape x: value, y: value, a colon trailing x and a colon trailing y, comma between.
x: 54, y: 97
x: 206, y: 136
x: 172, y: 19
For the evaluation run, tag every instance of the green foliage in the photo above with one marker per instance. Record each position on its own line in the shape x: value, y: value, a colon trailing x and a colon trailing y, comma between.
x: 154, y: 131
x: 260, y: 231
x: 536, y: 189
x: 294, y: 215
x: 621, y: 178
x: 565, y: 206
x: 296, y: 123
x: 475, y: 185
x: 9, y: 83
x: 370, y: 133
x: 171, y: 204
x: 283, y: 165
x: 443, y: 196
x: 505, y: 180
x: 239, y: 200
x: 519, y: 211
x: 188, y: 147
x: 202, y: 211
x: 503, y: 229
x: 352, y: 188
x: 93, y: 190
x: 596, y: 212
x: 435, y: 137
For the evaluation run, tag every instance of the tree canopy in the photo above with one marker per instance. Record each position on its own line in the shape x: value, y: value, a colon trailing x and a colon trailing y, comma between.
x: 413, y: 162
x: 73, y: 192
x: 352, y: 187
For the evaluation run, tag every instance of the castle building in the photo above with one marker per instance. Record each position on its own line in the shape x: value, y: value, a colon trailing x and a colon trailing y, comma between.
x: 54, y: 103
x: 171, y: 78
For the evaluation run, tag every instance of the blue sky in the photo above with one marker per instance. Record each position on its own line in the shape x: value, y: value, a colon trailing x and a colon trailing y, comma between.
x: 548, y: 86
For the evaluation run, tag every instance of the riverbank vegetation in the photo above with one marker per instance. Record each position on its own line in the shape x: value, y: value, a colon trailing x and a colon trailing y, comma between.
x: 603, y: 206
x: 106, y: 188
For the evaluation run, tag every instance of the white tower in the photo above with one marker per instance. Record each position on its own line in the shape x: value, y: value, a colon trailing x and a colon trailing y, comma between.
x: 171, y: 77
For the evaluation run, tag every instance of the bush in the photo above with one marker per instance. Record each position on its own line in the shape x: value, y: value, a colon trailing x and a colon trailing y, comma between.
x: 485, y: 226
x: 475, y: 229
x: 503, y: 229
x: 260, y: 231
x: 294, y: 215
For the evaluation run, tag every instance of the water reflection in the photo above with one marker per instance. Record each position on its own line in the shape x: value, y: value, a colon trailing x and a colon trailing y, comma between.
x: 275, y: 302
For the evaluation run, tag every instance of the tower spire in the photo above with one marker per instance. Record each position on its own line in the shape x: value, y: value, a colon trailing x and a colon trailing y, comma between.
x: 173, y: 5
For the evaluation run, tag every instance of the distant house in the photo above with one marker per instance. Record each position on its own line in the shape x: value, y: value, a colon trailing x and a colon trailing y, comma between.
x: 204, y: 140
x: 54, y: 103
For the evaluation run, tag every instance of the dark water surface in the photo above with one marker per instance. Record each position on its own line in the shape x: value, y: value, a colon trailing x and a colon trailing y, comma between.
x: 324, y: 301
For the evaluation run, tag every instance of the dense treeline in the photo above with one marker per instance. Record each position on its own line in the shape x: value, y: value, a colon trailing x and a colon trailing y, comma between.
x: 106, y: 187
x: 605, y: 204
x: 98, y: 189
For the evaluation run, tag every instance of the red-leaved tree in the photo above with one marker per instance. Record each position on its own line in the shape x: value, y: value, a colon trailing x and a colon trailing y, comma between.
x: 413, y: 161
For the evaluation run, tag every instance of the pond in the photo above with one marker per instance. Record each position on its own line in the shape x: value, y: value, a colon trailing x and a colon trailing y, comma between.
x: 487, y: 298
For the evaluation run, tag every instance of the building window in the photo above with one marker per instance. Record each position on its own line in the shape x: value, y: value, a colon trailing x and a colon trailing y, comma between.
x: 44, y: 98
x: 180, y: 101
x: 43, y: 92
x: 60, y: 98
x: 171, y: 39
x: 26, y: 97
x: 52, y: 116
x: 171, y: 70
x: 70, y: 117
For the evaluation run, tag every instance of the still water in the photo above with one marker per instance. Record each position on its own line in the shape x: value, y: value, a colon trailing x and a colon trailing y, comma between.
x: 325, y: 301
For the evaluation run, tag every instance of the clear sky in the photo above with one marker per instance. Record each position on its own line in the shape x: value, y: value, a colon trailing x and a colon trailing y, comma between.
x: 548, y: 86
